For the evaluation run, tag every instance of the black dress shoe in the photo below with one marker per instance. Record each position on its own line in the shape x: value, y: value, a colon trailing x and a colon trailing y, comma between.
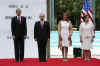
x: 40, y: 60
x: 21, y: 60
x: 17, y: 60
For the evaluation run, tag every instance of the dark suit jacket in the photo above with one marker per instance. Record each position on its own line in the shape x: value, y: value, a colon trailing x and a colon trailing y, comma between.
x: 18, y: 29
x: 42, y: 33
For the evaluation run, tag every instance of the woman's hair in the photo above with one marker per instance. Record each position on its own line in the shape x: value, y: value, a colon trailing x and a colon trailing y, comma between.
x: 84, y: 17
x: 66, y: 14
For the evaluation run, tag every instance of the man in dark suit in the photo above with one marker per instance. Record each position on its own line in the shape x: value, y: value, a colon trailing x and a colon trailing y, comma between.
x: 19, y: 33
x: 41, y: 35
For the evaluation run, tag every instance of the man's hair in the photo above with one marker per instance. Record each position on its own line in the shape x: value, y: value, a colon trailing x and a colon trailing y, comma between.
x: 42, y: 14
x: 18, y: 9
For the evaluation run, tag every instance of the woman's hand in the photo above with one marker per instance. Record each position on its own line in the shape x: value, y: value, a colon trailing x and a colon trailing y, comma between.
x: 60, y: 45
x: 92, y: 38
x: 69, y: 37
x: 70, y: 43
x: 81, y: 41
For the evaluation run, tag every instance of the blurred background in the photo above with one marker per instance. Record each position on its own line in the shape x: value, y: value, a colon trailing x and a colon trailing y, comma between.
x: 73, y: 8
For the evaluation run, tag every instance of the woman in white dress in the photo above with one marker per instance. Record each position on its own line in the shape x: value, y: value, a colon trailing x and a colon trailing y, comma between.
x: 86, y: 37
x: 65, y: 33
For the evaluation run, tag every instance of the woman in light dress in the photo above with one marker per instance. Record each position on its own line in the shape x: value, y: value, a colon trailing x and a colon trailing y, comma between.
x: 86, y: 37
x: 65, y: 33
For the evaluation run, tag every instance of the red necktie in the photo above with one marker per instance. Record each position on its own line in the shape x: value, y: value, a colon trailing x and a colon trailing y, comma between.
x: 19, y: 20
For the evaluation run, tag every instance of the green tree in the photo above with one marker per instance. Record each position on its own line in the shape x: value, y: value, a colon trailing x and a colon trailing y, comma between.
x: 97, y: 17
x: 72, y: 7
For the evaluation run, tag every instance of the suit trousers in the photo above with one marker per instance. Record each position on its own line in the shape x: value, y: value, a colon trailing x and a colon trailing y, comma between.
x: 42, y: 49
x: 19, y: 48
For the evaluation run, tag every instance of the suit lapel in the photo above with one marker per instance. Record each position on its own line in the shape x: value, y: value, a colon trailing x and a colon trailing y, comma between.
x: 16, y: 19
x: 40, y: 25
x: 21, y: 20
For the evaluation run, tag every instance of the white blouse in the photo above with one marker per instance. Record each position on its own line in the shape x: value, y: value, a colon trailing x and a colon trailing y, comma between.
x: 87, y: 29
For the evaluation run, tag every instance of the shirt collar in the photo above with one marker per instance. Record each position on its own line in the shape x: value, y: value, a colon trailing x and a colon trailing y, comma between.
x: 19, y: 16
x: 42, y: 22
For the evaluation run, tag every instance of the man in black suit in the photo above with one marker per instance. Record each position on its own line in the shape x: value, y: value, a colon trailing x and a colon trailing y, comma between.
x: 41, y: 35
x: 19, y: 33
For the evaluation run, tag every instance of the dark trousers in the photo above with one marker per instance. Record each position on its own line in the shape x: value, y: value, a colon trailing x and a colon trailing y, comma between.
x: 19, y: 48
x: 42, y: 49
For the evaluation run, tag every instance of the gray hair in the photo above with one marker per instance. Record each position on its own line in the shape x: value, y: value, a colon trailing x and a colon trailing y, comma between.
x: 42, y: 14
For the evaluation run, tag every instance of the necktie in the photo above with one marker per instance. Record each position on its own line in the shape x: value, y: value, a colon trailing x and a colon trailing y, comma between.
x: 19, y: 20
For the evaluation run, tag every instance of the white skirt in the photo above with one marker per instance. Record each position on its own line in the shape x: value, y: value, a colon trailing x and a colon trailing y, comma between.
x: 65, y: 43
x: 87, y: 44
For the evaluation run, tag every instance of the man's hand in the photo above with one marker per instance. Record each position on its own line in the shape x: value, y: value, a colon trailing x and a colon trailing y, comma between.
x: 25, y: 37
x: 14, y: 37
x: 35, y: 39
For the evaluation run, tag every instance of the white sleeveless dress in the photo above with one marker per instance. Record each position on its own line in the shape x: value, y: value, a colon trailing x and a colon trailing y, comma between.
x: 87, y: 32
x: 65, y: 33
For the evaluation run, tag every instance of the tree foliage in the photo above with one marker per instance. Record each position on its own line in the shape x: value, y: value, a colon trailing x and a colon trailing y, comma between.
x: 72, y: 7
x: 97, y: 12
